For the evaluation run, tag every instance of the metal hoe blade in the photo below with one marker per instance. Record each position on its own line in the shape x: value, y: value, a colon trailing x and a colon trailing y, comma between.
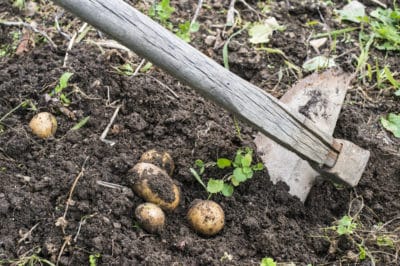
x: 319, y: 97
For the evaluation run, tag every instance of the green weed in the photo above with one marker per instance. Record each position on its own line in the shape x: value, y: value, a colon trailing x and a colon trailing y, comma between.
x: 28, y: 260
x: 163, y: 11
x: 242, y: 170
x: 362, y: 241
x: 185, y: 29
x: 93, y: 259
x: 267, y: 262
x: 62, y: 84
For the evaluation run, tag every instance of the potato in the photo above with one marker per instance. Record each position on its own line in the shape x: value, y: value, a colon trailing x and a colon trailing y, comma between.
x: 154, y: 185
x: 206, y: 217
x: 160, y: 159
x: 43, y: 125
x: 150, y: 217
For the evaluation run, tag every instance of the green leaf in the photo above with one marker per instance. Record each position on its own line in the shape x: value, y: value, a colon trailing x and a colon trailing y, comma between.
x: 81, y: 123
x: 319, y: 62
x: 239, y: 175
x: 146, y: 67
x: 346, y: 225
x: 362, y: 253
x: 397, y: 93
x: 184, y: 31
x: 63, y: 83
x: 65, y: 99
x: 353, y: 11
x: 223, y: 163
x: 200, y: 164
x: 390, y: 77
x: 392, y: 124
x: 238, y: 158
x: 248, y: 172
x: 227, y: 190
x: 246, y: 159
x: 194, y: 27
x: 215, y: 185
x: 234, y: 181
x: 164, y: 10
x: 261, y: 32
x: 258, y: 167
x: 93, y: 259
x: 267, y: 262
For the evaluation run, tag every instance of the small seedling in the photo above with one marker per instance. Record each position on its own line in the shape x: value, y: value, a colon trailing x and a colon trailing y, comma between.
x: 162, y: 12
x: 242, y: 170
x: 267, y: 262
x: 185, y: 29
x: 93, y: 259
x: 62, y: 84
x: 346, y: 226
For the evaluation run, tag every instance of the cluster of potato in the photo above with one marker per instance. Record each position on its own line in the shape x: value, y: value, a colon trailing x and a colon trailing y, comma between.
x: 151, y: 180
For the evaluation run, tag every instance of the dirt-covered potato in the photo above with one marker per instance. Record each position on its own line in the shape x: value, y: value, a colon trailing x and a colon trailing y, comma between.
x: 206, y: 217
x: 154, y: 185
x: 150, y: 217
x: 161, y: 159
x: 43, y: 125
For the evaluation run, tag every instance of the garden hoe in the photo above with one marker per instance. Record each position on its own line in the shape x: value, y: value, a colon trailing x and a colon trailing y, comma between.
x: 295, y: 139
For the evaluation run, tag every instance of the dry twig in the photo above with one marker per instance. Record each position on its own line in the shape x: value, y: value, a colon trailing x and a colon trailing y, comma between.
x: 72, y: 41
x: 105, y: 132
x: 196, y: 13
x: 62, y: 221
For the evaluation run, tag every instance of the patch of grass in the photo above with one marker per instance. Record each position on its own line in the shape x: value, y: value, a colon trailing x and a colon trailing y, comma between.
x: 362, y: 241
x: 28, y: 260
x: 241, y: 168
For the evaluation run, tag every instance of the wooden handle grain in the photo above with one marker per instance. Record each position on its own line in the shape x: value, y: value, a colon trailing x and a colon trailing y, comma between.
x: 158, y: 45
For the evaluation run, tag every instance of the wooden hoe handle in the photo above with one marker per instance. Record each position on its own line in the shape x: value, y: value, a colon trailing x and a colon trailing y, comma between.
x: 254, y: 106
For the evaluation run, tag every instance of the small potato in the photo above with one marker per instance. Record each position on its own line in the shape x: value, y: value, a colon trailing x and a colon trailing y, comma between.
x: 150, y: 217
x: 206, y: 217
x: 160, y: 159
x: 43, y: 125
x: 154, y: 185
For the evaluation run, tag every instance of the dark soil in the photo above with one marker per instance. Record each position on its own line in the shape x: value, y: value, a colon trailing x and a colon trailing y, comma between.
x: 262, y: 219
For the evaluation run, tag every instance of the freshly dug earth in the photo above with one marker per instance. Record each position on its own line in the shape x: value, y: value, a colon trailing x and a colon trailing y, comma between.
x: 262, y: 219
